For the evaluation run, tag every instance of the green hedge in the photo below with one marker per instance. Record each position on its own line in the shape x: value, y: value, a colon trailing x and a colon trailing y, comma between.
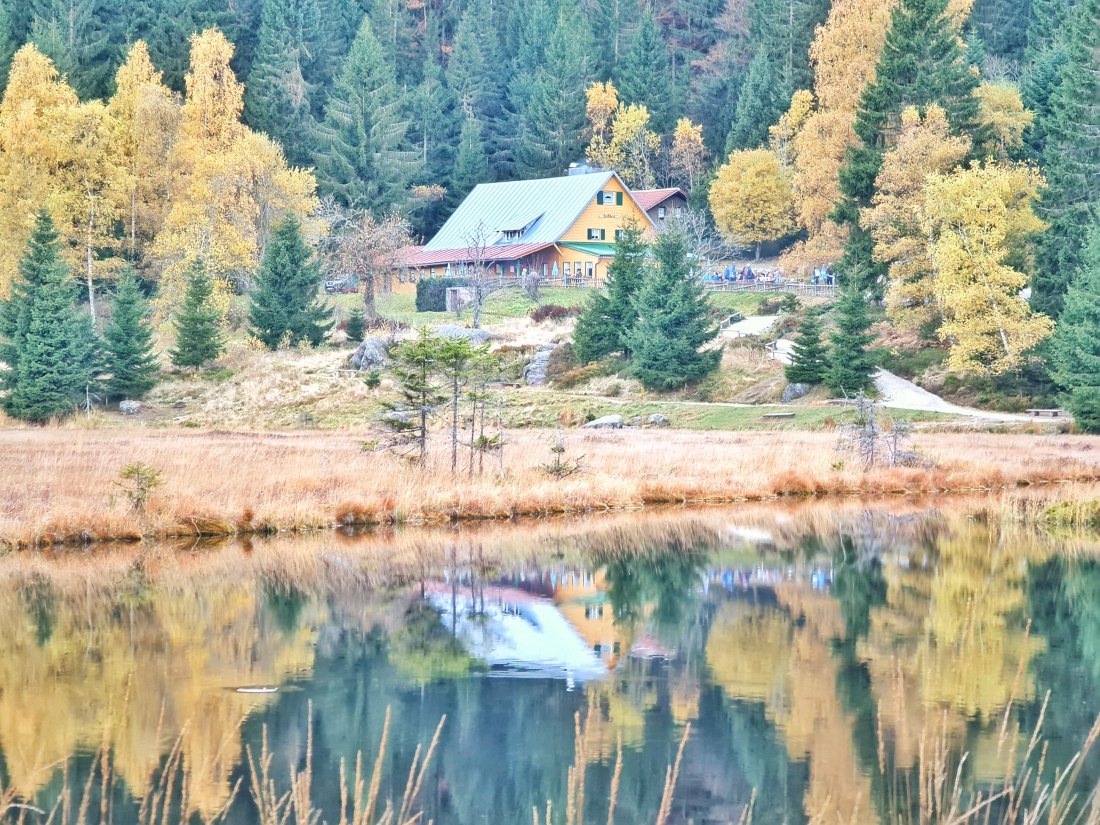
x: 431, y: 294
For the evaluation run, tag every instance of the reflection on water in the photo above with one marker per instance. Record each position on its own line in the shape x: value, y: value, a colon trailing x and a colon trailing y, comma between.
x: 839, y: 664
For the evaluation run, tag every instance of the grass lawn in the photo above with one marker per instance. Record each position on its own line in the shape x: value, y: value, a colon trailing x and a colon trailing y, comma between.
x: 501, y: 305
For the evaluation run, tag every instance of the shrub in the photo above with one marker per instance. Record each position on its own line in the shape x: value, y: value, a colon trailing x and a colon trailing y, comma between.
x: 562, y: 360
x: 553, y: 312
x: 578, y: 375
x: 431, y: 293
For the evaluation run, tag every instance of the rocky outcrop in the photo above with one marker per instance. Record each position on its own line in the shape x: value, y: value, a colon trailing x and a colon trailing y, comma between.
x: 657, y: 420
x: 608, y: 422
x: 794, y: 391
x: 371, y: 354
x: 129, y: 407
x: 535, y: 372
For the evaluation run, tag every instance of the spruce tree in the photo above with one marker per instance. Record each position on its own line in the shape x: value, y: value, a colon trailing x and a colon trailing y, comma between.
x: 285, y: 307
x: 673, y: 320
x: 198, y: 339
x: 471, y: 165
x: 851, y: 365
x: 474, y: 73
x: 607, y: 321
x: 555, y: 118
x: 760, y: 104
x: 645, y: 76
x: 277, y: 99
x: 809, y: 361
x: 128, y: 343
x: 356, y: 326
x: 7, y: 46
x: 363, y: 159
x: 1072, y: 196
x: 49, y: 345
x: 1076, y: 343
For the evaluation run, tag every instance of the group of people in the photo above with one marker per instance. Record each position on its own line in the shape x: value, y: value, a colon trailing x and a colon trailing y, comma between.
x: 746, y: 274
x: 823, y: 275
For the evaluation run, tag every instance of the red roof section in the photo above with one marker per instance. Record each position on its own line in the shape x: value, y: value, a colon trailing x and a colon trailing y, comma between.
x: 648, y: 198
x: 416, y: 256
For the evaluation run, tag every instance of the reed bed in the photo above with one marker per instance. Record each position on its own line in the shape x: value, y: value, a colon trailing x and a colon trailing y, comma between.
x: 60, y: 486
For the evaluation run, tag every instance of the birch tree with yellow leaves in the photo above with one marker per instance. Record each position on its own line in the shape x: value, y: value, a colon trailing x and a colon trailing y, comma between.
x: 982, y: 217
x: 230, y: 185
x: 632, y: 149
x: 898, y: 221
x: 689, y: 154
x: 35, y: 90
x: 751, y: 199
x: 145, y: 117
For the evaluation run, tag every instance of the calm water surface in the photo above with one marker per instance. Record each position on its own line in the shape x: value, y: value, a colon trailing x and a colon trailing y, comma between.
x: 829, y: 661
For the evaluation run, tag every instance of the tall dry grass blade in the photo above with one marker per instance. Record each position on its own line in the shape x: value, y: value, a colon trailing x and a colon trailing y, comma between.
x: 376, y: 776
x: 614, y: 782
x: 427, y: 760
x: 746, y: 813
x: 409, y: 784
x: 671, y: 779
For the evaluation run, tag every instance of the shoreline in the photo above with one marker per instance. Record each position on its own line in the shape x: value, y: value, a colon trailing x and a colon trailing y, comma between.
x: 62, y: 485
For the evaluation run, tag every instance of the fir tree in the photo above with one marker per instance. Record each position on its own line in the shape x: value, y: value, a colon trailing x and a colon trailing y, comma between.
x: 49, y: 346
x: 277, y: 97
x: 1073, y: 164
x: 809, y: 362
x: 77, y: 36
x: 673, y: 320
x: 851, y: 365
x: 471, y: 165
x: 645, y: 76
x: 607, y: 321
x: 1076, y: 343
x: 285, y: 306
x: 555, y: 118
x: 7, y: 45
x: 356, y: 326
x: 364, y: 161
x: 198, y: 339
x: 474, y: 71
x: 128, y: 343
x: 759, y: 105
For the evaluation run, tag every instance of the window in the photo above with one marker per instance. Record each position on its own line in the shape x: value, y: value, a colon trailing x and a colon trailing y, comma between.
x: 588, y: 270
x: 431, y: 272
x: 577, y: 269
x: 568, y: 270
x: 545, y: 270
x: 660, y: 213
x: 513, y: 234
x: 593, y: 234
x: 607, y: 198
x: 618, y: 235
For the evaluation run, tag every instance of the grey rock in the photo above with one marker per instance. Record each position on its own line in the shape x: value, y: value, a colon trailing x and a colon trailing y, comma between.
x: 179, y: 405
x: 395, y: 417
x: 474, y: 336
x: 370, y: 355
x: 535, y: 372
x: 636, y: 421
x: 129, y: 407
x: 608, y: 422
x: 793, y: 391
x: 657, y: 420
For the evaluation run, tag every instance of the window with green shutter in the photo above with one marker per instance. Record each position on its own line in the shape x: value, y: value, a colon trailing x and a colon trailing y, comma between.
x: 603, y: 234
x: 618, y: 198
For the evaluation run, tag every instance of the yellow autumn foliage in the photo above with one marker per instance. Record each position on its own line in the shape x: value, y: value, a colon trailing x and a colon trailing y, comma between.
x: 982, y: 216
x: 750, y: 198
x: 632, y: 149
x: 689, y: 153
x: 897, y: 219
x: 1003, y: 114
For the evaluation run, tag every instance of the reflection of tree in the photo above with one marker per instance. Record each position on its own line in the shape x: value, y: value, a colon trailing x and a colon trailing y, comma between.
x: 423, y: 650
x: 657, y: 584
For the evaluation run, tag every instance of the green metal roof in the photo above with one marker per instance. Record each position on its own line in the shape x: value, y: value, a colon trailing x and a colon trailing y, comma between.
x: 604, y: 250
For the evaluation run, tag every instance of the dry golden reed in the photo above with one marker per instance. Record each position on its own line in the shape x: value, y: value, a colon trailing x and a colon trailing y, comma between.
x: 58, y: 485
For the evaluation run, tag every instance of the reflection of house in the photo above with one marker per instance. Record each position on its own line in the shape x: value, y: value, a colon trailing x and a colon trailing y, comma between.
x: 582, y: 599
x: 516, y: 633
x: 661, y: 204
x: 556, y: 227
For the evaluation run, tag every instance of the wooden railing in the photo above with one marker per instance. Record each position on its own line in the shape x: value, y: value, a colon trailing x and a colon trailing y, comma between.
x: 793, y: 287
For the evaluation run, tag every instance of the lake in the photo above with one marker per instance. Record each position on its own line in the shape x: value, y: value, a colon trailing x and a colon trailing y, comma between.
x: 840, y: 661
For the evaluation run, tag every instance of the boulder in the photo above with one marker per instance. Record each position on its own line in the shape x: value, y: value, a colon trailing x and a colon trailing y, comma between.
x: 636, y: 421
x: 657, y: 420
x: 179, y: 405
x: 370, y: 355
x: 477, y: 337
x: 794, y: 391
x: 129, y: 407
x: 395, y: 417
x: 535, y: 372
x: 608, y: 422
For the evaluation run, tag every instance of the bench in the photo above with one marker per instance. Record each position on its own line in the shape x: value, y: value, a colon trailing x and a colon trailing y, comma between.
x: 1044, y: 413
x: 777, y: 415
